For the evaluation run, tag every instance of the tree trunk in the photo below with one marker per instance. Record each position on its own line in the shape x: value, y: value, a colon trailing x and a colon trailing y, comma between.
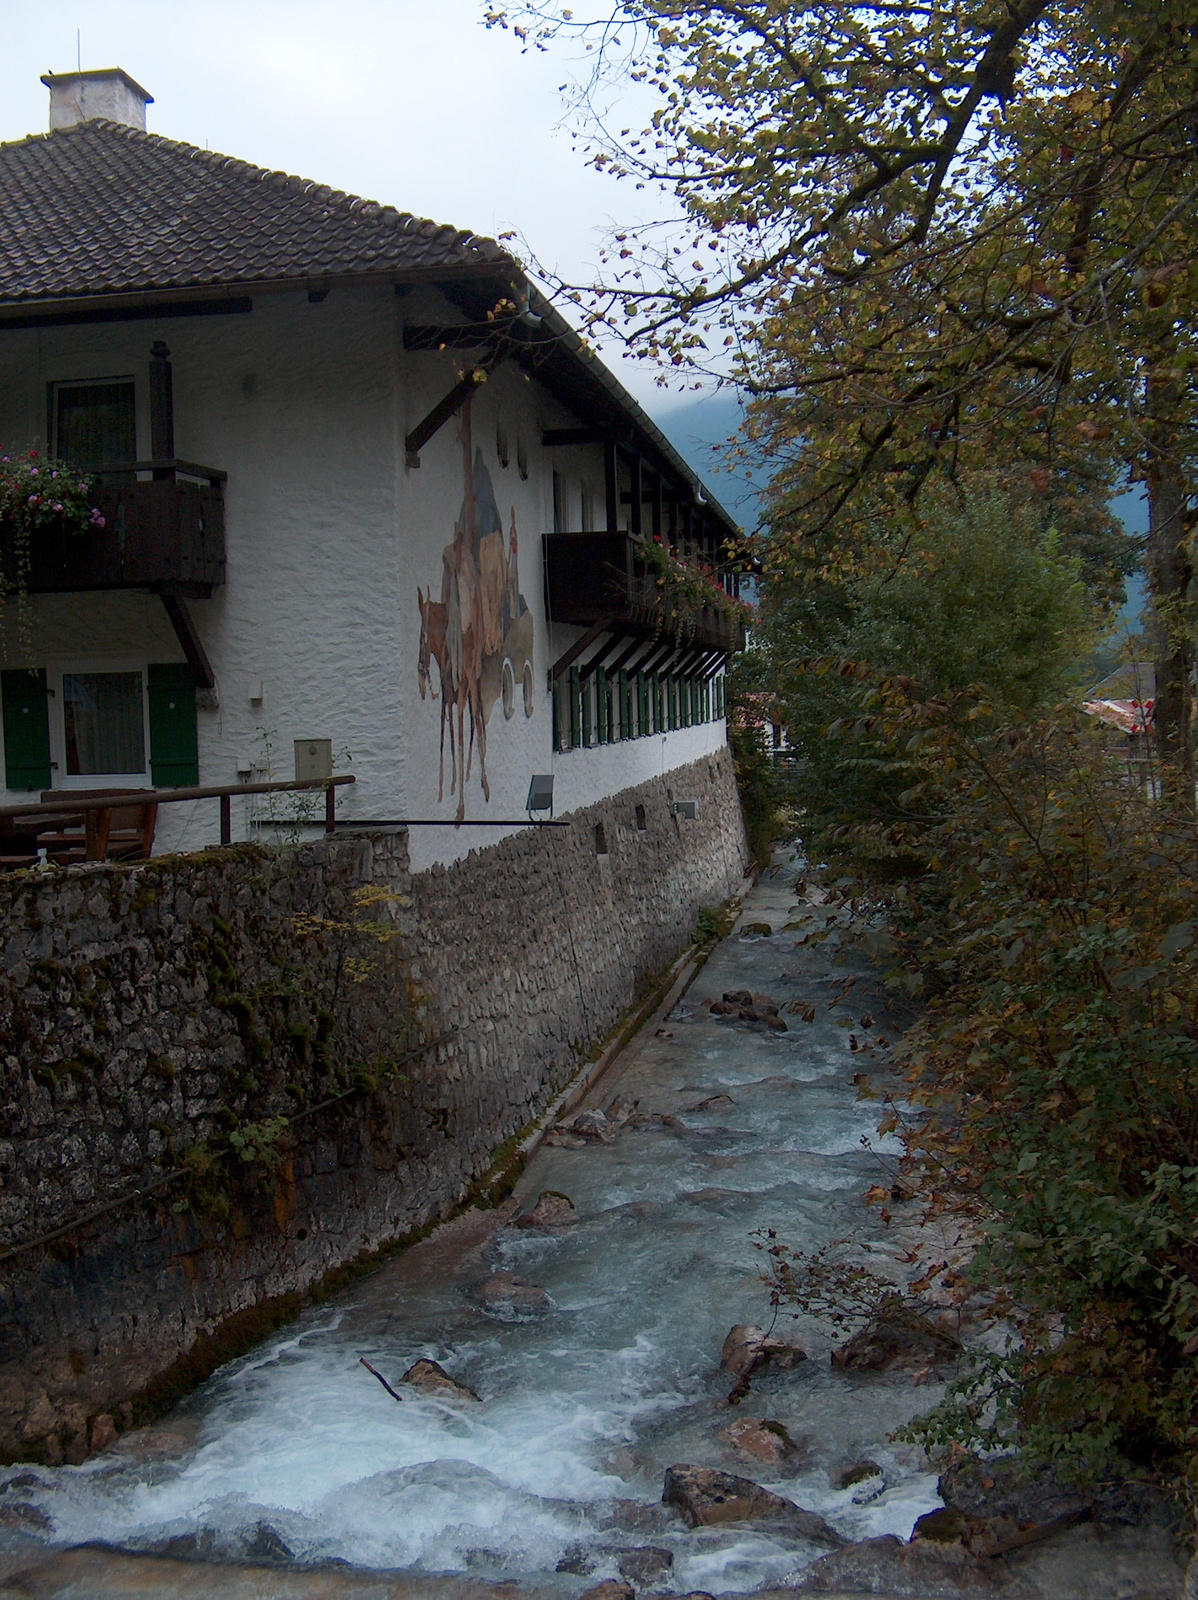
x: 1169, y: 577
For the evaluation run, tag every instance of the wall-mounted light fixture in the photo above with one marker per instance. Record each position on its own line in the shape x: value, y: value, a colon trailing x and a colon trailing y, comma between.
x: 688, y: 809
x: 540, y: 793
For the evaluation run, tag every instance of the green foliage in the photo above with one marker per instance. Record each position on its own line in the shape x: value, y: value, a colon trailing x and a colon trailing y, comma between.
x: 985, y: 599
x: 1052, y: 1095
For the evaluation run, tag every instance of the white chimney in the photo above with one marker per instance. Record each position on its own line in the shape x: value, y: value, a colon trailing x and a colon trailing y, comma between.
x: 78, y: 96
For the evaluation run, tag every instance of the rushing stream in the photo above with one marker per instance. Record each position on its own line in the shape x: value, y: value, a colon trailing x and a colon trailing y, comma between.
x: 296, y: 1454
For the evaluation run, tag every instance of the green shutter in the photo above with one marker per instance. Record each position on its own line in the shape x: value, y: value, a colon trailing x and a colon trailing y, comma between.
x: 26, y: 728
x: 174, y: 753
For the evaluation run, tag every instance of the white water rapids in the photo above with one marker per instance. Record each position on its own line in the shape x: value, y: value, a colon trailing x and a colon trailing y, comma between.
x: 300, y: 1457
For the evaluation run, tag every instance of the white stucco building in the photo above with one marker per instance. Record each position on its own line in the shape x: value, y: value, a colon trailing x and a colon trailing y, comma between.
x: 360, y: 485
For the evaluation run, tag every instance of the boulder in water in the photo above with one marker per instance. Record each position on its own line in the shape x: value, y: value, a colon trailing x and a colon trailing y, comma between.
x: 859, y: 1472
x: 766, y: 1441
x: 103, y: 1432
x: 431, y: 1378
x: 552, y: 1210
x: 592, y: 1124
x: 510, y: 1298
x: 748, y: 1347
x: 886, y: 1566
x: 562, y: 1139
x: 706, y: 1496
x: 897, y: 1335
x: 757, y: 930
x: 621, y: 1108
x: 613, y: 1589
x: 714, y: 1102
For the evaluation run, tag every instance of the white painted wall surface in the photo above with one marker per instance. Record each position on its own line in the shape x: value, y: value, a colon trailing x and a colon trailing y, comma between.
x: 328, y: 536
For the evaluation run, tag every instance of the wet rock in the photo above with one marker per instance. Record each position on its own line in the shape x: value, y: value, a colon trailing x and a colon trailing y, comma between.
x: 635, y: 1516
x: 155, y: 1444
x: 103, y: 1432
x: 640, y: 1564
x: 745, y: 1006
x: 431, y: 1378
x: 592, y: 1124
x: 611, y: 1590
x: 510, y: 1298
x: 552, y: 1210
x: 563, y: 1139
x: 738, y: 997
x: 267, y: 1545
x: 766, y: 1441
x: 621, y: 1108
x: 886, y: 1566
x: 756, y: 930
x: 706, y: 1497
x: 859, y: 1472
x: 748, y: 1347
x: 1007, y: 1488
x: 714, y: 1102
x: 656, y: 1119
x: 897, y: 1335
x: 24, y: 1517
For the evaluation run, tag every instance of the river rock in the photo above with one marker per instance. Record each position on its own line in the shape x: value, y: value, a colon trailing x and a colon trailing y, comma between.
x: 748, y: 1347
x: 859, y: 1472
x: 714, y: 1102
x: 431, y: 1378
x: 155, y: 1444
x: 510, y: 1298
x: 1006, y: 1488
x: 562, y: 1139
x: 640, y: 1564
x: 888, y: 1567
x: 706, y: 1496
x: 552, y: 1210
x: 897, y: 1335
x: 103, y: 1433
x: 592, y: 1124
x: 621, y: 1108
x: 610, y: 1590
x: 656, y: 1119
x: 767, y: 1441
x: 756, y: 930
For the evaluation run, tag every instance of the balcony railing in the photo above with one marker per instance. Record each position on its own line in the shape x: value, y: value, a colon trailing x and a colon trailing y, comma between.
x: 590, y: 576
x: 162, y: 532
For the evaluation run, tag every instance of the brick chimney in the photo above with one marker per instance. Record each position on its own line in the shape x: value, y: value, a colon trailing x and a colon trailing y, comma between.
x: 78, y: 96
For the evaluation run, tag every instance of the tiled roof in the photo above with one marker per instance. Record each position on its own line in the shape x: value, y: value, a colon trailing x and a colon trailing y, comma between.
x: 101, y: 208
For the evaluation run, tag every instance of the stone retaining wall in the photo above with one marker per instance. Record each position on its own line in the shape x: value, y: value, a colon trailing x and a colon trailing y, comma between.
x: 251, y: 1026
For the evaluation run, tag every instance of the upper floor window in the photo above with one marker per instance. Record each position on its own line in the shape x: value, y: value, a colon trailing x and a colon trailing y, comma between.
x: 95, y: 423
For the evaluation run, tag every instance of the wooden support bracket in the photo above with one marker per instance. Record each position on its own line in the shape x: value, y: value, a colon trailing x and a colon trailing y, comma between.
x: 183, y: 623
x: 567, y: 660
x: 449, y: 407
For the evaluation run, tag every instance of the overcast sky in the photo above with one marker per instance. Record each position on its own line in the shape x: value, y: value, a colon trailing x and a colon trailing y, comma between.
x: 411, y: 102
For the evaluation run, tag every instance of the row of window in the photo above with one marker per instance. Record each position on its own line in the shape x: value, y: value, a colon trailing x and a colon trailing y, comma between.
x: 604, y: 708
x: 67, y: 728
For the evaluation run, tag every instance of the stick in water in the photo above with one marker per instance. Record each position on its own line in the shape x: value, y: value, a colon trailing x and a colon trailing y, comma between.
x: 381, y: 1379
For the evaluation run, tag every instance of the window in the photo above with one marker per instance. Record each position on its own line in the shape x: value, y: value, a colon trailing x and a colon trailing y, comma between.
x: 641, y: 823
x: 103, y: 716
x: 95, y: 423
x: 600, y: 839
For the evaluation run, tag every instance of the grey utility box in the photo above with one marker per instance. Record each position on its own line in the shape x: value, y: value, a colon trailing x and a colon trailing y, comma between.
x: 313, y: 759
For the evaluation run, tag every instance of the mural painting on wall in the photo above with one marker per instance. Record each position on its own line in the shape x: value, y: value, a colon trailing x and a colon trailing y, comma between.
x: 479, y: 633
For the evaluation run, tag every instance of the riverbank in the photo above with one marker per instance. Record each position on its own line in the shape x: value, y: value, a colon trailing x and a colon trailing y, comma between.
x: 592, y: 1337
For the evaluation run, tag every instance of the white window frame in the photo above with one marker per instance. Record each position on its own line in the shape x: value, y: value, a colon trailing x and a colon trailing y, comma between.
x: 59, y: 777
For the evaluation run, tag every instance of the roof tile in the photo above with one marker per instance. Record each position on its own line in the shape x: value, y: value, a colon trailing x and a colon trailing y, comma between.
x: 101, y: 208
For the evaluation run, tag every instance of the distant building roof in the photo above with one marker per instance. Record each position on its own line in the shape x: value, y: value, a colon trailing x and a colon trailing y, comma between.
x: 101, y: 208
x: 1135, y: 680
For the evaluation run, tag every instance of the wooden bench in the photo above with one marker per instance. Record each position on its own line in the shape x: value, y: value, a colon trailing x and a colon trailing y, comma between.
x: 115, y: 833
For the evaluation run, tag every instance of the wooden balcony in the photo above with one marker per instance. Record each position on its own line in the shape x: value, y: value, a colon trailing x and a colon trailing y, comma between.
x: 590, y: 576
x: 164, y: 532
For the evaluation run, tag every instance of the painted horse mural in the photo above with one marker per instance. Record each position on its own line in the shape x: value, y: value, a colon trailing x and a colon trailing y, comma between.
x: 480, y: 632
